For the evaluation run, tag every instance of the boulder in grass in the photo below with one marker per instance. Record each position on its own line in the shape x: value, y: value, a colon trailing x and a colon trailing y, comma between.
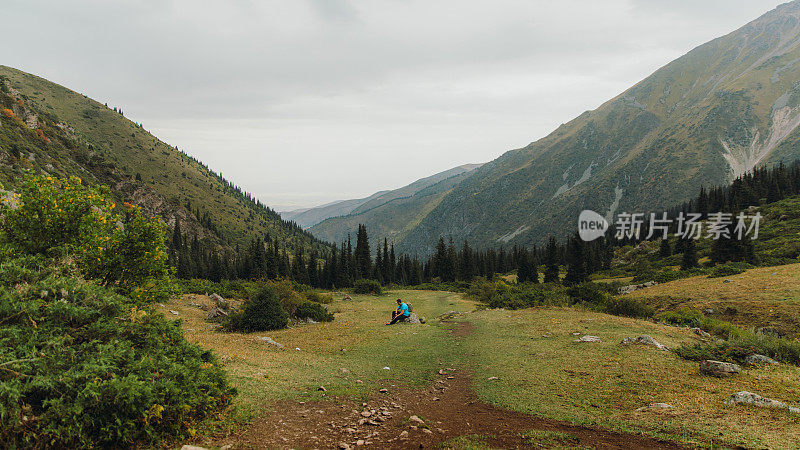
x: 757, y: 360
x: 719, y: 369
x: 412, y: 318
x: 219, y: 301
x: 588, y: 338
x: 750, y: 398
x: 645, y: 340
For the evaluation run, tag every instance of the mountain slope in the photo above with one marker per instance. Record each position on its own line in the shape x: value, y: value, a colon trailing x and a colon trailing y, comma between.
x: 311, y: 216
x: 395, y: 213
x: 712, y: 114
x: 85, y: 138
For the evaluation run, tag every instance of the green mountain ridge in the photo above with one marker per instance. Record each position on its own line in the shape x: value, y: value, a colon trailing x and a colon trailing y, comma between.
x: 393, y: 215
x: 309, y: 217
x: 84, y: 138
x: 723, y: 108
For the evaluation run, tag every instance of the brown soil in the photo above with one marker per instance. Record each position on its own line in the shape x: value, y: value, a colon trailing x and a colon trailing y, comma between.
x: 448, y: 408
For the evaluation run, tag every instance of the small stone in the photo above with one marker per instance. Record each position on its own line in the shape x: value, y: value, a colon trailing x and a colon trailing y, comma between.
x: 386, y: 368
x: 384, y: 391
x: 700, y: 332
x: 450, y: 377
x: 321, y: 388
x: 350, y: 430
x: 416, y: 419
x: 360, y: 442
x: 343, y: 446
x: 493, y: 378
x: 588, y: 338
x: 404, y: 435
x: 192, y: 447
x: 297, y: 348
x: 343, y: 370
x: 757, y: 359
x: 427, y: 431
x: 173, y: 312
x: 366, y: 413
x: 442, y: 372
x: 359, y: 381
x: 645, y: 340
x: 436, y: 399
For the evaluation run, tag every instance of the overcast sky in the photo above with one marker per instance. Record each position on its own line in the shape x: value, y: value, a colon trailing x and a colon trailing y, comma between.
x: 303, y: 102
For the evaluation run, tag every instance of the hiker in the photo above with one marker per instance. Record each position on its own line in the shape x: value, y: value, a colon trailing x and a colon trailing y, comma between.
x: 400, y: 314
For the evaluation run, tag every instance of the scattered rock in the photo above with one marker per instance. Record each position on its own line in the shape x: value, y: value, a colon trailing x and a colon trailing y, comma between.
x: 719, y: 368
x: 344, y: 446
x: 708, y: 311
x: 386, y: 368
x: 635, y: 287
x: 416, y: 419
x: 757, y: 359
x: 219, y: 301
x: 347, y: 297
x: 270, y: 341
x: 174, y: 313
x: 588, y: 338
x: 321, y: 388
x: 384, y: 391
x: 442, y: 372
x: 413, y: 318
x: 700, y: 332
x: 359, y: 381
x: 343, y: 370
x: 493, y: 378
x: 360, y: 442
x: 192, y: 447
x: 757, y: 400
x: 350, y: 430
x: 404, y: 435
x: 297, y: 349
x: 577, y: 333
x: 366, y: 413
x: 216, y: 315
x: 726, y: 281
x: 645, y: 340
x: 427, y: 431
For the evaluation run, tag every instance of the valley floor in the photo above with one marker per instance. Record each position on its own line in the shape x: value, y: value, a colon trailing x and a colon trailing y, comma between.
x: 518, y: 380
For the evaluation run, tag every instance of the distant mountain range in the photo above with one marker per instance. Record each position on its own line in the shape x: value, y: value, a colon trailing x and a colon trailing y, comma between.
x: 310, y: 217
x: 723, y: 108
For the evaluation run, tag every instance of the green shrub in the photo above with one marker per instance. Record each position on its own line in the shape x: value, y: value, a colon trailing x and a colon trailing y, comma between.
x: 365, y: 286
x: 499, y: 294
x: 626, y: 306
x: 729, y: 269
x: 288, y: 297
x: 89, y: 369
x: 319, y: 297
x: 114, y: 244
x: 313, y: 311
x: 694, y: 318
x: 261, y: 313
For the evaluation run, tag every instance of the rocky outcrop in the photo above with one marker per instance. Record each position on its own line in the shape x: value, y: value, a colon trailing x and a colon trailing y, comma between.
x: 719, y: 369
x: 750, y: 398
x: 635, y: 287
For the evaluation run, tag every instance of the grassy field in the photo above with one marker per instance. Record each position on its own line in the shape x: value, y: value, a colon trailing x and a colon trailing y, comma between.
x: 356, y: 346
x: 762, y: 297
x: 605, y: 383
x: 539, y: 369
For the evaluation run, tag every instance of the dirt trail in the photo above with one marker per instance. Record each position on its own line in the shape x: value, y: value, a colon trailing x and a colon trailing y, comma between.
x: 449, y: 409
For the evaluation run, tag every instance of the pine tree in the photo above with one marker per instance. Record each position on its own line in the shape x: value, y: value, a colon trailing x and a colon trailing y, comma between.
x: 689, y: 255
x: 664, y: 250
x: 576, y: 261
x: 551, y: 261
x: 363, y: 261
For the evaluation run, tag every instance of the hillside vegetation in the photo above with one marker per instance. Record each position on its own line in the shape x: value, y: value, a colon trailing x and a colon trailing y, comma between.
x: 703, y: 119
x: 53, y: 130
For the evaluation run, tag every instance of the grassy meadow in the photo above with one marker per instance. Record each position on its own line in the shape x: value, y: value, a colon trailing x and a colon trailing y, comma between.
x: 539, y: 368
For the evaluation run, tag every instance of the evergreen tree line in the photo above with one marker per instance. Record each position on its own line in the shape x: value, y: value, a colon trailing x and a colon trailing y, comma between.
x: 344, y: 263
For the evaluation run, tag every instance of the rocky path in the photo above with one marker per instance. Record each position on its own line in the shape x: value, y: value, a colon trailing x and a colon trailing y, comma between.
x: 413, y: 418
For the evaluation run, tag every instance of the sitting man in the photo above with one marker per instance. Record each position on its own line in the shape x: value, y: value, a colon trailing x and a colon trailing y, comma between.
x: 400, y: 314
